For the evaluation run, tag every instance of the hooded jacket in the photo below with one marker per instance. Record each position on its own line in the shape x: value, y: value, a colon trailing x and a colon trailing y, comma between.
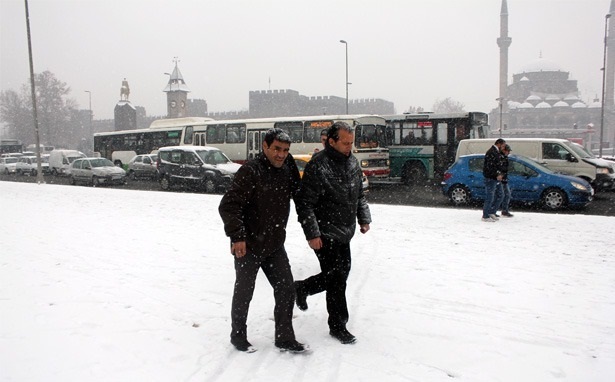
x: 255, y: 209
x: 331, y: 198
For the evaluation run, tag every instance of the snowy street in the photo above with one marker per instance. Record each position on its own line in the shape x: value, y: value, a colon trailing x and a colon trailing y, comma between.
x: 102, y: 284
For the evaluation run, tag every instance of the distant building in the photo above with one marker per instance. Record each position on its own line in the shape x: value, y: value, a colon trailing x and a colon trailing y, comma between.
x: 177, y: 94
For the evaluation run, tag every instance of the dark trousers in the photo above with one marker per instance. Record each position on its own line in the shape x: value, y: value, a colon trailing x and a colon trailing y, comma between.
x: 277, y: 269
x: 334, y: 258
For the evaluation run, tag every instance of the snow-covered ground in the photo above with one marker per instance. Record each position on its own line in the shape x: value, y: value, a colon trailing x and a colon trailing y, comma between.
x: 116, y: 285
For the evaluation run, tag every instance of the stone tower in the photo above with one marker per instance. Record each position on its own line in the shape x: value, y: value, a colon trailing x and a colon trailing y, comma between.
x: 177, y: 94
x: 504, y: 42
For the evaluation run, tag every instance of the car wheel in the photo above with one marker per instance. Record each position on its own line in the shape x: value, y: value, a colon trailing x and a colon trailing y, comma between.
x: 72, y: 180
x: 94, y: 181
x: 132, y: 175
x: 209, y: 186
x: 459, y: 195
x: 165, y: 183
x: 554, y: 199
x: 6, y: 171
x: 54, y: 172
x: 33, y: 172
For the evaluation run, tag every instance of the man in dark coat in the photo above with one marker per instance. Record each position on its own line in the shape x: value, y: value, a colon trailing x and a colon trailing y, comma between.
x: 329, y: 203
x: 505, y: 204
x: 255, y: 213
x: 493, y: 176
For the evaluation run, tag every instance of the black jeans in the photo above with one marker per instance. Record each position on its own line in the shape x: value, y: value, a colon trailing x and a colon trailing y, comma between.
x: 277, y: 269
x: 334, y: 258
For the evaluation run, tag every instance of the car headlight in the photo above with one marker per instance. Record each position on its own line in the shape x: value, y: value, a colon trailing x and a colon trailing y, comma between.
x: 602, y: 170
x: 578, y: 186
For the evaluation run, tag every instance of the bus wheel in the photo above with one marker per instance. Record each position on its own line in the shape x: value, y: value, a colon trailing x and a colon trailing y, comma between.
x: 414, y: 173
x: 165, y: 183
x: 209, y: 186
x: 459, y: 195
x: 33, y: 172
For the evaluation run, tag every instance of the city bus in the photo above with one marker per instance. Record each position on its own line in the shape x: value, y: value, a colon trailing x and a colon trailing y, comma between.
x: 10, y: 146
x: 422, y: 146
x: 241, y: 139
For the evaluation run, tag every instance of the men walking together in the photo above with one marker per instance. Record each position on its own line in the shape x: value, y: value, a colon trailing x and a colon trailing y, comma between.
x: 255, y: 213
x: 329, y: 203
x: 493, y: 178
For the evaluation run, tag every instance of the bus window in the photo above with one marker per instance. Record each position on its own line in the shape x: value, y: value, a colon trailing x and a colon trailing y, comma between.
x: 293, y: 129
x: 442, y: 133
x: 369, y: 136
x: 188, y: 135
x: 311, y: 132
x: 236, y: 133
x: 215, y: 134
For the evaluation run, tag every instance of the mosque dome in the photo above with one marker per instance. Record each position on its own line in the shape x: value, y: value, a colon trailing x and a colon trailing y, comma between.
x: 526, y: 105
x: 524, y: 79
x: 579, y: 105
x: 533, y: 98
x: 561, y: 104
x: 571, y: 98
x: 541, y: 65
x: 543, y: 105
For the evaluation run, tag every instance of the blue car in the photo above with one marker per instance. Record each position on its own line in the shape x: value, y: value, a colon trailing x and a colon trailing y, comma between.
x: 529, y: 182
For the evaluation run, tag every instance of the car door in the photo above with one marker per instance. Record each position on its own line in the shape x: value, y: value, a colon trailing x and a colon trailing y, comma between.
x: 191, y: 167
x: 557, y: 157
x: 474, y: 177
x: 524, y: 182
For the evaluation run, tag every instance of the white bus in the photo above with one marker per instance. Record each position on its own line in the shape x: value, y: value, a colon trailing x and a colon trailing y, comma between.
x: 242, y: 139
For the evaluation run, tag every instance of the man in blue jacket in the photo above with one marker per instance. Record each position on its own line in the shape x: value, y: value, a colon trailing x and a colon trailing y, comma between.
x: 329, y: 203
x: 493, y: 178
x: 255, y: 212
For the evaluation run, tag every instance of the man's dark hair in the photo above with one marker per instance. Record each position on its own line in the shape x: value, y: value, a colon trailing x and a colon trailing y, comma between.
x: 334, y: 131
x: 500, y: 141
x: 276, y: 134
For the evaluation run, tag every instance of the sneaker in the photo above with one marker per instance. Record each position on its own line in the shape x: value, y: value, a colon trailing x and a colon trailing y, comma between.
x: 292, y: 346
x: 507, y: 214
x: 343, y: 335
x: 488, y: 219
x: 242, y: 344
x: 494, y: 217
x: 301, y: 296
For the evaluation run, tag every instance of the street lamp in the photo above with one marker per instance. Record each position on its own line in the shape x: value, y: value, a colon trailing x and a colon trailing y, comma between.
x: 90, y: 110
x: 606, y: 22
x: 500, y: 100
x: 345, y: 43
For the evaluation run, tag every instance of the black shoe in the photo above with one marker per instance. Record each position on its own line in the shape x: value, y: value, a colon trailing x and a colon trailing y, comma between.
x: 343, y: 335
x: 242, y: 344
x: 292, y: 346
x: 507, y: 214
x: 301, y: 296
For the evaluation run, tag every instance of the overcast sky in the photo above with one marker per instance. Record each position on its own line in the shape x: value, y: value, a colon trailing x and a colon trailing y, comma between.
x: 410, y: 52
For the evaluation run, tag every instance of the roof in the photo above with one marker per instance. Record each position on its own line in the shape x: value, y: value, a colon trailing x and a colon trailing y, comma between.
x: 541, y: 65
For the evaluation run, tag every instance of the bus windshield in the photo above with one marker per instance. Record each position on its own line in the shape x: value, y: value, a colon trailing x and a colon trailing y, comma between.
x: 370, y: 136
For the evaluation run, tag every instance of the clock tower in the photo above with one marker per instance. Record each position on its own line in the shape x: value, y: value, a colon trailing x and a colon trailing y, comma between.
x: 177, y: 94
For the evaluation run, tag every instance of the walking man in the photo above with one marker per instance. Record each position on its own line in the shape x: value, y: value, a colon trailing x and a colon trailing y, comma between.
x: 505, y: 205
x: 255, y: 213
x: 493, y: 178
x: 329, y: 203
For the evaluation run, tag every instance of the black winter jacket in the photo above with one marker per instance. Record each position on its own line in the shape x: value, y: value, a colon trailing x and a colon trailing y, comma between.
x: 504, y: 167
x: 331, y: 199
x: 491, y: 168
x: 255, y: 209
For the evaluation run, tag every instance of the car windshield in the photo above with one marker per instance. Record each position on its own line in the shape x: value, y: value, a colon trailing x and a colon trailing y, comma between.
x: 580, y: 151
x: 11, y: 160
x: 213, y: 157
x: 101, y: 162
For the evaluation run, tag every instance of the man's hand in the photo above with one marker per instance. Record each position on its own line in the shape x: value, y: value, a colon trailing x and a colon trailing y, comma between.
x: 315, y: 243
x: 238, y: 249
x: 364, y: 228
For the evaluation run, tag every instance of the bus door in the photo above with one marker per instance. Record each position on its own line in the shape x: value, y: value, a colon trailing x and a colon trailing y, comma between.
x: 255, y: 142
x: 444, y: 139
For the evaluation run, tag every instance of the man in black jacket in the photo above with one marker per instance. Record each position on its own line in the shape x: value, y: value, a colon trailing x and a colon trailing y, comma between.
x: 329, y: 203
x: 493, y: 176
x: 255, y: 213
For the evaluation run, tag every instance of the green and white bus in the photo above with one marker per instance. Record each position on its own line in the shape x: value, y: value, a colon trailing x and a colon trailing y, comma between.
x: 422, y: 146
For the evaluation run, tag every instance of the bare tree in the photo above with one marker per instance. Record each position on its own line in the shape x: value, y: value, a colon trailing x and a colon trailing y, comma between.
x: 448, y: 105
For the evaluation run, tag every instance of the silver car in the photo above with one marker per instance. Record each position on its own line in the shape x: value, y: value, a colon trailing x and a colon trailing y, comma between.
x: 143, y: 166
x: 8, y: 165
x: 96, y: 171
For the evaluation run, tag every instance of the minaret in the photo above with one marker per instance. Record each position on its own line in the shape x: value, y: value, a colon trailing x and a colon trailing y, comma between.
x: 504, y: 42
x: 609, y: 99
x: 177, y: 94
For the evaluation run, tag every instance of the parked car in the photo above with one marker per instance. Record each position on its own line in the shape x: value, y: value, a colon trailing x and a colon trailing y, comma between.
x: 96, y: 171
x: 29, y: 165
x: 61, y: 160
x: 8, y: 165
x: 302, y: 159
x: 201, y: 167
x: 529, y: 181
x: 143, y: 166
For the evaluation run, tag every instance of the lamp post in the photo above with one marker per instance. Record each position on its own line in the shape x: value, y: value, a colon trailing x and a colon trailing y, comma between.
x: 500, y: 99
x: 345, y: 43
x: 606, y: 22
x: 90, y: 135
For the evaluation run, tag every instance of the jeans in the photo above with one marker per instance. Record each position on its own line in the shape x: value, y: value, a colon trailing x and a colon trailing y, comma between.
x: 505, y: 198
x: 493, y: 196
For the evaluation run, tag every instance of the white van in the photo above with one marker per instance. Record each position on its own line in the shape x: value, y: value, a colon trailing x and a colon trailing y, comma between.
x: 560, y: 155
x: 60, y: 160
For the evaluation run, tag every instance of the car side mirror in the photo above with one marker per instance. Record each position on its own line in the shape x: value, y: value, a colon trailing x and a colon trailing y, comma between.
x: 571, y: 158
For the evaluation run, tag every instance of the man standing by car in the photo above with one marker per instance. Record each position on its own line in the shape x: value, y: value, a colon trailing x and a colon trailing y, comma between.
x: 255, y: 213
x: 505, y: 204
x: 329, y: 203
x: 493, y: 177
